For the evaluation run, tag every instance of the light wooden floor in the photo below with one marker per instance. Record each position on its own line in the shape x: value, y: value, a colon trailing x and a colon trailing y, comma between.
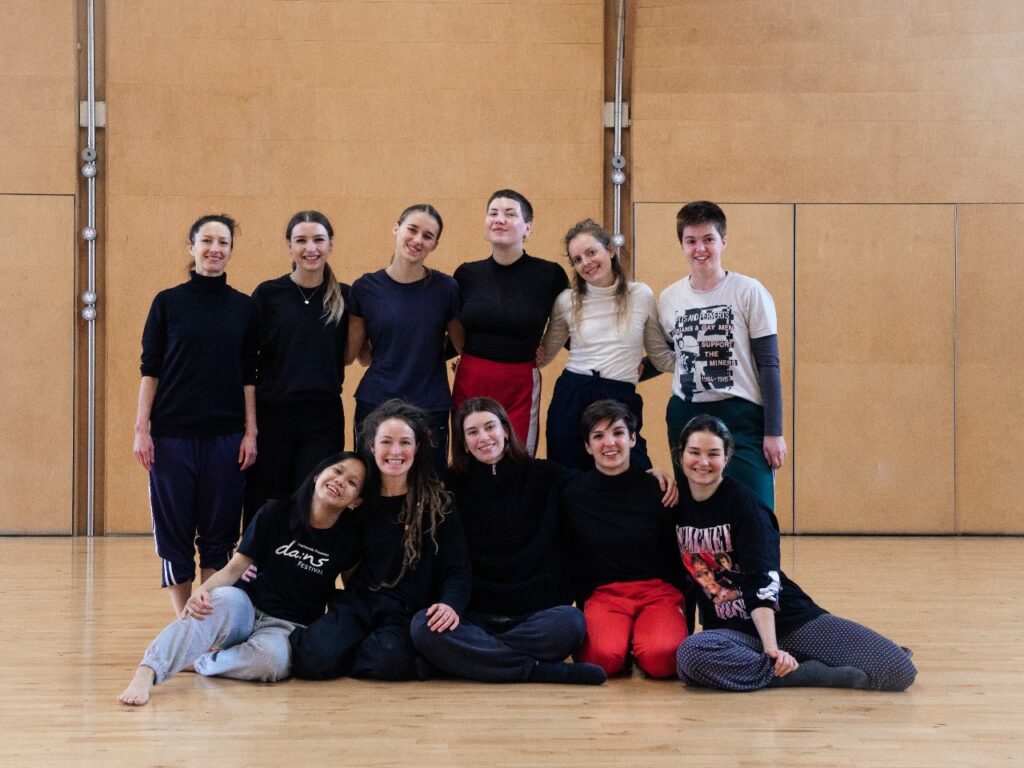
x: 77, y: 614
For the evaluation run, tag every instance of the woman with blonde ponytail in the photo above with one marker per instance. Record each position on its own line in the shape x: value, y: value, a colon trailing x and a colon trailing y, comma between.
x: 609, y: 322
x: 302, y: 322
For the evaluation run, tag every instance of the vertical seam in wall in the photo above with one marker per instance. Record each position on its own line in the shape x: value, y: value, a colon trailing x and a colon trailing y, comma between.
x: 955, y: 326
x: 793, y: 374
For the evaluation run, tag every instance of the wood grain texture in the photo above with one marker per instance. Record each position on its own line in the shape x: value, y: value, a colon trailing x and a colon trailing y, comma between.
x: 39, y: 118
x: 874, y: 368
x: 357, y: 109
x: 59, y: 680
x: 828, y: 101
x: 760, y: 244
x: 37, y: 350
x: 989, y: 373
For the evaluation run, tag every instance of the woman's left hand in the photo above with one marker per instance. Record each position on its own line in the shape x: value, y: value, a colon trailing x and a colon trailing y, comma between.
x: 775, y: 451
x: 247, y: 452
x: 784, y: 662
x: 441, y: 617
x: 668, y: 485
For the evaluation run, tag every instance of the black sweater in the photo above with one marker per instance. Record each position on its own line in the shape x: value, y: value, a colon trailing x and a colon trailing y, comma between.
x: 200, y: 342
x: 619, y: 531
x: 730, y: 544
x: 505, y: 308
x: 442, y: 573
x: 512, y: 519
x: 300, y: 356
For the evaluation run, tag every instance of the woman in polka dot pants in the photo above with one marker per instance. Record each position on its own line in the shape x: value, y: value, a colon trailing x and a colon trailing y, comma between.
x: 760, y: 629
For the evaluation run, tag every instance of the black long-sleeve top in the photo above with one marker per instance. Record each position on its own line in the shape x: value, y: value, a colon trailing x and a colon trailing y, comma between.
x: 619, y: 530
x: 505, y: 307
x: 442, y: 573
x: 730, y: 546
x: 513, y: 523
x: 301, y: 357
x: 200, y: 342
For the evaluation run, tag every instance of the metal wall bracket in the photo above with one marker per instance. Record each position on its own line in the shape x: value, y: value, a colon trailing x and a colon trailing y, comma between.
x: 101, y: 114
x: 609, y: 114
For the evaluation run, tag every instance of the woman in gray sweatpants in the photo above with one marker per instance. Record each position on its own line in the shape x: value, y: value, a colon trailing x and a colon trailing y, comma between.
x: 300, y: 545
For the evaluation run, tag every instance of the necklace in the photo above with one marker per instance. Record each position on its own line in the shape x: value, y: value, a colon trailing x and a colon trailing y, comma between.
x: 304, y: 296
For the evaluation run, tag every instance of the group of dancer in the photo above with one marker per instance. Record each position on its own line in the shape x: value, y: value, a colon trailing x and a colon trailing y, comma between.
x: 497, y: 566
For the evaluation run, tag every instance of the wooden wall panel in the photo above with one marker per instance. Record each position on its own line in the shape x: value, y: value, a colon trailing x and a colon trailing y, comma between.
x: 39, y: 117
x: 828, y: 101
x: 874, y: 368
x: 264, y: 107
x: 760, y: 244
x: 38, y: 296
x: 989, y: 370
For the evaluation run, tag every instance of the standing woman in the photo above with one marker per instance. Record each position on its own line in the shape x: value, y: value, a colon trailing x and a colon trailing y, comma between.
x: 609, y: 322
x: 506, y: 300
x: 405, y: 311
x: 760, y: 629
x: 414, y: 557
x: 302, y: 330
x: 725, y: 333
x: 195, y: 429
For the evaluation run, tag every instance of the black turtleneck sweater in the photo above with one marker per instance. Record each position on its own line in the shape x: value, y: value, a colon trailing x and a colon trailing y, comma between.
x: 619, y: 531
x: 200, y: 342
x: 511, y: 515
x: 505, y: 307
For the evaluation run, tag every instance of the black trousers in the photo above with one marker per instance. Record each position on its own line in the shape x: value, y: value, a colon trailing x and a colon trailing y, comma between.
x: 292, y: 439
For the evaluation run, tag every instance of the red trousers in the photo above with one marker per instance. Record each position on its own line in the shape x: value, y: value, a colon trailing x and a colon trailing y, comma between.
x: 649, y: 612
x: 515, y: 385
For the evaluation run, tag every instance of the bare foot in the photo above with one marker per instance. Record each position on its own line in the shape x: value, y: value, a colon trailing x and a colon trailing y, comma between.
x: 137, y: 692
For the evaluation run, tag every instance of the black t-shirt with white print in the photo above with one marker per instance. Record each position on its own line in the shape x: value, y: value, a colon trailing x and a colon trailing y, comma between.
x: 295, y: 578
x: 730, y: 548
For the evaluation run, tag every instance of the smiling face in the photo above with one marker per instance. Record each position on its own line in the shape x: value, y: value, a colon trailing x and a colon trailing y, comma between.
x: 703, y: 458
x: 592, y: 260
x: 609, y: 443
x: 415, y: 237
x: 309, y: 245
x: 504, y: 225
x: 340, y: 486
x: 485, y: 437
x: 703, y: 247
x: 394, y: 448
x: 211, y: 249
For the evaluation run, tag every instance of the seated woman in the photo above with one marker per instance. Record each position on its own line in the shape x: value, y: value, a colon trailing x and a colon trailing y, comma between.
x: 414, y: 556
x: 520, y: 625
x: 625, y: 562
x: 300, y: 544
x: 760, y: 629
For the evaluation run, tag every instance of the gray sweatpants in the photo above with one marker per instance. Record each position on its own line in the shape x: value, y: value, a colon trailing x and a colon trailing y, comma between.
x: 251, y: 645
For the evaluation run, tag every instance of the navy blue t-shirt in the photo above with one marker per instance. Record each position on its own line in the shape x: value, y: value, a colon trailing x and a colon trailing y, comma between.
x: 406, y: 325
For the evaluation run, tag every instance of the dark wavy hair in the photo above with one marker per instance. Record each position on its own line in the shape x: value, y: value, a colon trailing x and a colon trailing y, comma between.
x: 606, y: 410
x: 705, y: 423
x: 427, y: 503
x: 460, y: 454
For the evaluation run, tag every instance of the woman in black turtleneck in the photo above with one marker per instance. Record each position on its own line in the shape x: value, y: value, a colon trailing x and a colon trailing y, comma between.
x: 302, y: 326
x: 520, y: 624
x: 195, y: 430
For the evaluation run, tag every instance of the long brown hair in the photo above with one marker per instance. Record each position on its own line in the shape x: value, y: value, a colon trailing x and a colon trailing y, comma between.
x: 460, y: 455
x: 579, y: 285
x: 426, y: 503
